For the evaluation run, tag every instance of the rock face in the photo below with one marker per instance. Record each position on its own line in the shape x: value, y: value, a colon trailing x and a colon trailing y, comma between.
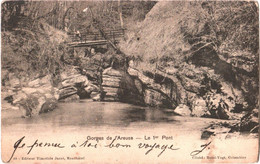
x: 111, y: 84
x: 220, y: 80
x: 119, y: 86
x: 67, y: 92
x: 74, y: 86
x: 133, y: 86
x: 158, y: 90
x: 200, y: 90
x: 156, y: 99
x: 37, y: 97
x: 203, y: 91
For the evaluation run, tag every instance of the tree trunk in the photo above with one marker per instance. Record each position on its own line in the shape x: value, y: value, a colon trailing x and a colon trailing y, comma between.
x: 120, y: 14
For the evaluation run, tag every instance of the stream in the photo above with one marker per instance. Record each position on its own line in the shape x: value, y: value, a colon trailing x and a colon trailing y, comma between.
x: 87, y: 114
x: 72, y: 122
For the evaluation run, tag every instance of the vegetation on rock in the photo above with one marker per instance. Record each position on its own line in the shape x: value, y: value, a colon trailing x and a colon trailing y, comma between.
x: 211, y: 47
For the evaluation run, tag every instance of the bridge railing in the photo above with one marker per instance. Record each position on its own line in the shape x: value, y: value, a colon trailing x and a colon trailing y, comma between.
x: 113, y: 35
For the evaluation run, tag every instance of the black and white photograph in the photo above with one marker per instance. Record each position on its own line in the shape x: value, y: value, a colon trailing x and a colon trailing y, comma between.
x: 124, y: 81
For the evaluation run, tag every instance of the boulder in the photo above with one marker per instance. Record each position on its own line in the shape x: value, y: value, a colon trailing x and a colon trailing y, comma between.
x: 67, y: 91
x: 182, y: 110
x: 97, y: 98
x: 26, y: 112
x: 18, y: 97
x: 46, y: 80
x: 214, y: 106
x: 75, y: 80
x: 31, y: 105
x: 199, y: 108
x: 31, y: 98
x: 49, y: 105
x: 216, y: 128
x: 222, y: 110
x: 250, y: 122
x: 71, y: 98
x: 74, y: 83
x: 220, y: 106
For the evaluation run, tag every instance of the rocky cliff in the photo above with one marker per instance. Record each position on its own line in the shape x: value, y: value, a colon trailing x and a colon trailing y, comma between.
x: 208, y: 49
x: 215, y: 73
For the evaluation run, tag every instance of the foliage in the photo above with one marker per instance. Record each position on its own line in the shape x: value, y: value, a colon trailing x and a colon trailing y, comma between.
x: 178, y: 30
x: 228, y: 27
x: 106, y: 13
x: 11, y: 14
x: 33, y: 47
x: 69, y: 15
x: 33, y: 52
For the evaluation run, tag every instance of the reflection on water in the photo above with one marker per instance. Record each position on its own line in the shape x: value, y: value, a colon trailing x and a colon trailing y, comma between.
x: 87, y: 116
x: 96, y: 114
x: 72, y: 122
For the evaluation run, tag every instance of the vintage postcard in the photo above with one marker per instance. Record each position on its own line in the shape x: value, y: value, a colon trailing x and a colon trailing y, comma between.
x: 129, y: 82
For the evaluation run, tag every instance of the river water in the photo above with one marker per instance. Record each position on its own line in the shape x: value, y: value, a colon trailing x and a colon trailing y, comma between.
x: 88, y: 114
x: 72, y: 122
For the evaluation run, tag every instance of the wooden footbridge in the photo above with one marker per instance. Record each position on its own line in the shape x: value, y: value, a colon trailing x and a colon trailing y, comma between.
x: 96, y: 38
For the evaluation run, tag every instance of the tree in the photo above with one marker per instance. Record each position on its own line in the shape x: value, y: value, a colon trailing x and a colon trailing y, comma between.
x: 11, y: 14
x: 120, y: 14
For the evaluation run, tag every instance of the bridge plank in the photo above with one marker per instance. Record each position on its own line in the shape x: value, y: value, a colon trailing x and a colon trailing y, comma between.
x: 96, y: 38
